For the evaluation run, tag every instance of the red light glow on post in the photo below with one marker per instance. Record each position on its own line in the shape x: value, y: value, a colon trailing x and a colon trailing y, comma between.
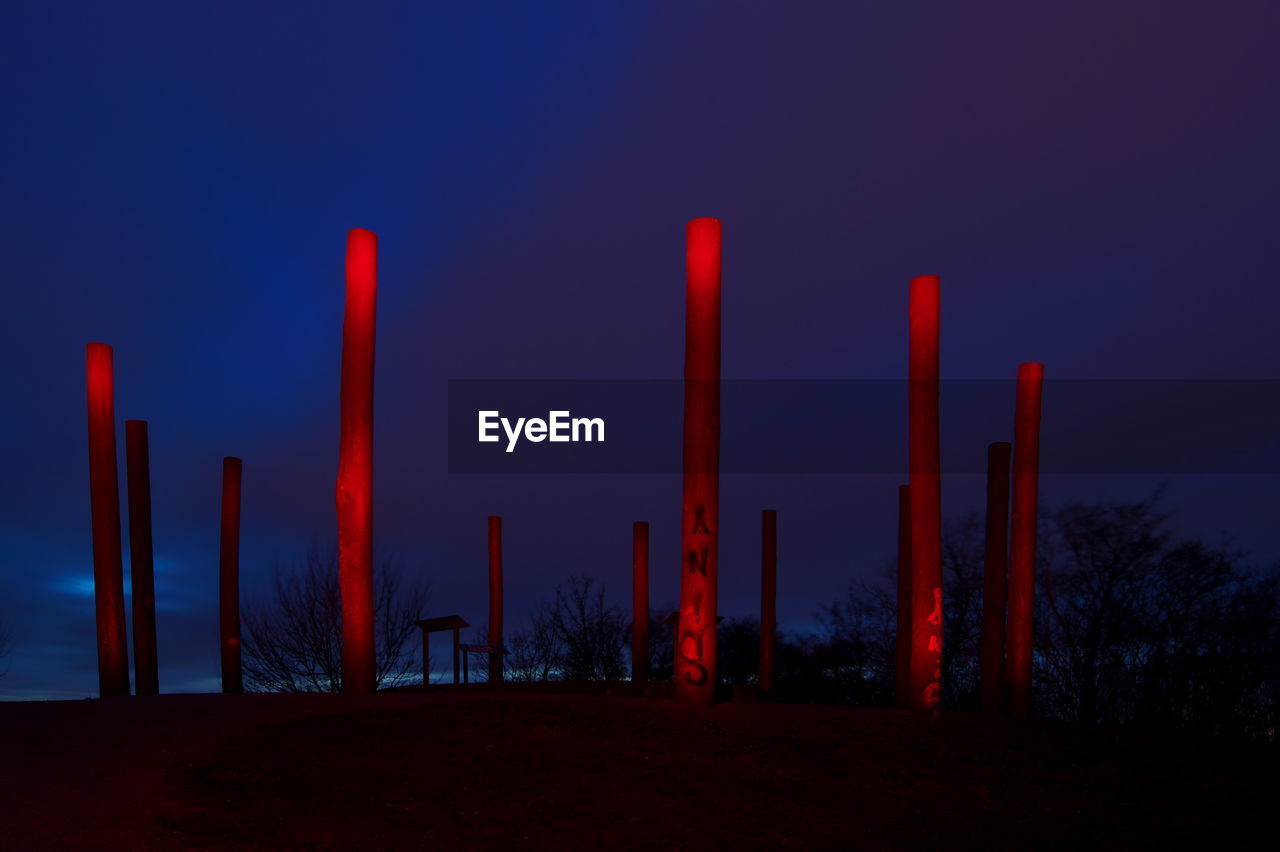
x: 104, y: 504
x: 902, y: 669
x: 640, y: 601
x: 141, y: 562
x: 695, y: 665
x: 1022, y: 540
x: 355, y: 464
x: 926, y: 496
x: 768, y: 599
x: 229, y: 578
x: 995, y: 580
x: 495, y: 596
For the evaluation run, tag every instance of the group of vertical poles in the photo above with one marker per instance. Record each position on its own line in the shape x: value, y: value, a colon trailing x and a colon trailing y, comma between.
x: 353, y: 492
x: 768, y: 600
x: 919, y: 647
x: 695, y: 654
x: 354, y: 498
x: 695, y: 646
x: 108, y: 568
x: 1005, y: 654
x: 1008, y: 588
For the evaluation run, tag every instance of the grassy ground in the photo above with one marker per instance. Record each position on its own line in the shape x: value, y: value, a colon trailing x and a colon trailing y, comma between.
x: 477, y: 767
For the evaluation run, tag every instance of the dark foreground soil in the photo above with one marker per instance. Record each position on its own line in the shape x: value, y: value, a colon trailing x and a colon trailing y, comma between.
x: 493, y: 768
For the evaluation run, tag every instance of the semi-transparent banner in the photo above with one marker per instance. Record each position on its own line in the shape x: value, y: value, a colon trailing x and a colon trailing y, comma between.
x: 860, y: 426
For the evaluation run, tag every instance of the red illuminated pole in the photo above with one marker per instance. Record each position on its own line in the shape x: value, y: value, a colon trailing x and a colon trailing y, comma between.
x: 695, y: 668
x: 104, y: 504
x: 495, y: 596
x: 995, y: 580
x: 141, y: 565
x: 229, y: 577
x: 355, y: 464
x: 926, y: 496
x: 768, y: 599
x: 640, y: 601
x: 902, y: 682
x: 1022, y: 540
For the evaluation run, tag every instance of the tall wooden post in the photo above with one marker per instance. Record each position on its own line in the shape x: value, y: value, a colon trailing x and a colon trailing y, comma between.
x: 1022, y: 541
x: 426, y: 657
x: 926, y: 496
x: 902, y: 681
x: 229, y: 577
x: 355, y: 465
x: 141, y: 562
x: 104, y: 505
x: 456, y: 642
x: 640, y: 601
x: 695, y: 665
x: 995, y: 580
x: 495, y: 596
x: 768, y: 599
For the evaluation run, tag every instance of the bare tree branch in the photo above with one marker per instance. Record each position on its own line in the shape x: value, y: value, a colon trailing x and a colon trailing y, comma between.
x: 293, y: 641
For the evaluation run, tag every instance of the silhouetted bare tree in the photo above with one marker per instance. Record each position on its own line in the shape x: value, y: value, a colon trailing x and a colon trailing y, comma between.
x: 738, y: 651
x: 1136, y: 625
x: 962, y: 567
x: 1132, y: 625
x: 853, y: 657
x: 293, y: 641
x: 578, y: 635
x: 590, y: 631
x: 662, y: 648
x: 534, y: 651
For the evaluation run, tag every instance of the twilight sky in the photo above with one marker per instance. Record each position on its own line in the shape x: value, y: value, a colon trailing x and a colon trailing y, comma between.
x: 1095, y: 183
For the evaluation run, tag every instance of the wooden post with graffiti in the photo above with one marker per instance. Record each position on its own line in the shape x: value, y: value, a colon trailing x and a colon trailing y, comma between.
x: 695, y: 664
x: 1022, y: 538
x: 926, y: 496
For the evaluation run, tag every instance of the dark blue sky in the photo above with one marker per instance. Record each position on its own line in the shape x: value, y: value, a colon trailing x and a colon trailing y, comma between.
x: 1095, y: 182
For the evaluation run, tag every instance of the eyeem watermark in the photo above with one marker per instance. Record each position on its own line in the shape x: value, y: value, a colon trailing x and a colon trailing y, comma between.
x: 857, y: 426
x: 559, y: 427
